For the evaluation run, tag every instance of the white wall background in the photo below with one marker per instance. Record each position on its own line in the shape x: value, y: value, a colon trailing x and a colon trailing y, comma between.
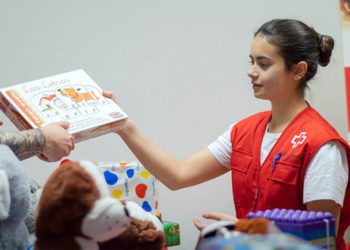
x: 179, y: 69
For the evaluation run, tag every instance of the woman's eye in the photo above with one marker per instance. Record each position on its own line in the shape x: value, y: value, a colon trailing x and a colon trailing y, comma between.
x: 264, y: 65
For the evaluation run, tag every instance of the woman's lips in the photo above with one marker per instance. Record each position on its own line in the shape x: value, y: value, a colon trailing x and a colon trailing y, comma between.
x: 257, y: 86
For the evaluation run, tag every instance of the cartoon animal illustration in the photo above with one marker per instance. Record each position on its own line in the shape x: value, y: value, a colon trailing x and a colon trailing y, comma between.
x: 69, y: 96
x: 51, y: 105
x: 47, y: 106
x: 97, y: 95
x: 86, y: 95
x: 69, y: 101
x: 82, y: 99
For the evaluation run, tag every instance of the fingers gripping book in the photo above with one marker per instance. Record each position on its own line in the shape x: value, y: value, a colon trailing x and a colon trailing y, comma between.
x: 72, y: 97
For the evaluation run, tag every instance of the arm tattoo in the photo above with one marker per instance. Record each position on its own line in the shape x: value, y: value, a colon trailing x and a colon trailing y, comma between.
x: 24, y: 143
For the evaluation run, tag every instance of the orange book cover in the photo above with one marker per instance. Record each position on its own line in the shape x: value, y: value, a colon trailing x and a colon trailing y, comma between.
x: 72, y: 96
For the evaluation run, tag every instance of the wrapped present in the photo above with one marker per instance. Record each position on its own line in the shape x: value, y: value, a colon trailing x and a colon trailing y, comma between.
x: 131, y: 181
x: 315, y: 227
x: 172, y: 233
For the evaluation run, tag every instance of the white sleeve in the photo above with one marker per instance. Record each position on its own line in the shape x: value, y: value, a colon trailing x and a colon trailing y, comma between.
x: 327, y: 174
x: 221, y: 148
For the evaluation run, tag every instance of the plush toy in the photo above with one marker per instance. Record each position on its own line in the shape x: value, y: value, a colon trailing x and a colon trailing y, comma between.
x: 14, y: 201
x: 76, y: 211
x: 144, y: 232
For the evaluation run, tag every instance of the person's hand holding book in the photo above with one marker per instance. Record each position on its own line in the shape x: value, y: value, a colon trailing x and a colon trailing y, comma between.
x: 124, y: 123
x: 58, y: 142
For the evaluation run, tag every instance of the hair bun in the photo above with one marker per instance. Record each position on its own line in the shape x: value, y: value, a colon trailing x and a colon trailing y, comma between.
x: 326, y: 47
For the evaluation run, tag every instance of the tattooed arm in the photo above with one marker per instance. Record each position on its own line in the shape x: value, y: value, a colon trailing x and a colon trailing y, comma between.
x: 24, y: 144
x: 50, y: 143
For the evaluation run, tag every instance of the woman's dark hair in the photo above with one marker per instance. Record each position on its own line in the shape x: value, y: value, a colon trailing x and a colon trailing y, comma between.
x: 298, y: 42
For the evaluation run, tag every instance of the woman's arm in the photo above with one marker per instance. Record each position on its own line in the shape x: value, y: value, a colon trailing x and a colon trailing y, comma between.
x: 326, y: 179
x: 326, y: 206
x: 175, y: 174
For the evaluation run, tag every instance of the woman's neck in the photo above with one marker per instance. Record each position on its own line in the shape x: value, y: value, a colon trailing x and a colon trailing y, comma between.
x: 284, y: 112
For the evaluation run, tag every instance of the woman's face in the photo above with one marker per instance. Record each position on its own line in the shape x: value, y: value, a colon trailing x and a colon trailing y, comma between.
x: 270, y: 78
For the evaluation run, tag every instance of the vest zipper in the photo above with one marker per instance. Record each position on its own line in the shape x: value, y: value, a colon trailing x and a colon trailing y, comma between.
x: 255, y: 199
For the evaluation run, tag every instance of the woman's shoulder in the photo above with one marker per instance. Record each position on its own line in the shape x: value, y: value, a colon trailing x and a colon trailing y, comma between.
x: 317, y: 121
x: 319, y: 129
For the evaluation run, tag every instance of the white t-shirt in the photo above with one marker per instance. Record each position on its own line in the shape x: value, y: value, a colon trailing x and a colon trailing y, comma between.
x: 326, y: 177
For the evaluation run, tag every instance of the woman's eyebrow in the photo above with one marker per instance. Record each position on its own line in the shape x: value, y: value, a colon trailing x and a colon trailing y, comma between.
x: 260, y: 57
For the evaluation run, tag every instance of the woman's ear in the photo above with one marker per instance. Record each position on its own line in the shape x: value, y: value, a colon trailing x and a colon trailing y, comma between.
x: 299, y: 70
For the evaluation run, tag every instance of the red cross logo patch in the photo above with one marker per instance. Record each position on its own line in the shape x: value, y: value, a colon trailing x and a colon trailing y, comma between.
x: 298, y: 139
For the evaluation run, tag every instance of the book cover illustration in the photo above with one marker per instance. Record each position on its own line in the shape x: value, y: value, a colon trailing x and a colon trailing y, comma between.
x: 71, y: 96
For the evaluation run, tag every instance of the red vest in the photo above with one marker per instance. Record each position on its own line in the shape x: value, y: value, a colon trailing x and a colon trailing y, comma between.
x: 278, y: 182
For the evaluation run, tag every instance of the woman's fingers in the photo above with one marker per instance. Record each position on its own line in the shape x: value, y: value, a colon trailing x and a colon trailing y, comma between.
x: 111, y: 95
x: 218, y: 216
x: 212, y: 216
x: 107, y: 93
x: 198, y: 224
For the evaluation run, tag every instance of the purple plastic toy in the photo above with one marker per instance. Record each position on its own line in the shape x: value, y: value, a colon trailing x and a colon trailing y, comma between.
x: 316, y: 227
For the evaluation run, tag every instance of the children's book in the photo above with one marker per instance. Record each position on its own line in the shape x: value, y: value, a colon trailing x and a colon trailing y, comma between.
x: 72, y: 97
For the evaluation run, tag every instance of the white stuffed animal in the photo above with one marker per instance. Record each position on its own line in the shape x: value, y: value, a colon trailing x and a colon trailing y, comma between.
x: 14, y: 201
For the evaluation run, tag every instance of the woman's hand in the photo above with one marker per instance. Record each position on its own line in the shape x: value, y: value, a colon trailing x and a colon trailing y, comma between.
x: 123, y: 126
x: 212, y: 216
x: 111, y: 95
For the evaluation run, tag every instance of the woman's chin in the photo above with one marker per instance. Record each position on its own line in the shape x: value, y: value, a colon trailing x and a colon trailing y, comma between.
x: 259, y: 95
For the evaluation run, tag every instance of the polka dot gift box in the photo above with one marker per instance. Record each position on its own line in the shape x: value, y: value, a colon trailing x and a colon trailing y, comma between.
x: 131, y: 181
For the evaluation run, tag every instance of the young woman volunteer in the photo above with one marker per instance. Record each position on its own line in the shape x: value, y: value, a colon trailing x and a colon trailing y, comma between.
x: 289, y: 157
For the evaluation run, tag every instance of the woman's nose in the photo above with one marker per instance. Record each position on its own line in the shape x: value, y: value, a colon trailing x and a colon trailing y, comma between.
x: 252, y: 73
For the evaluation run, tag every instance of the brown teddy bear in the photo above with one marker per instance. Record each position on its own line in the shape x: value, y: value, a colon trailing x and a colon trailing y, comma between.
x: 76, y: 211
